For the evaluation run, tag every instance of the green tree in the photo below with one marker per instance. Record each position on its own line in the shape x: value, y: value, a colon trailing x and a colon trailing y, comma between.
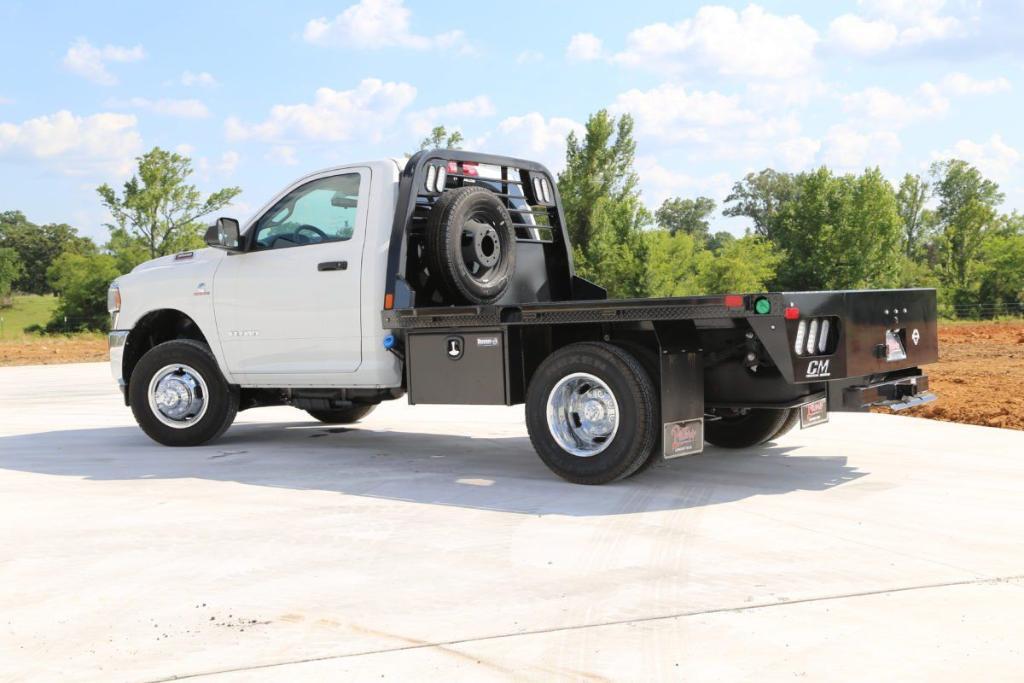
x: 964, y: 220
x: 686, y: 215
x: 440, y: 138
x: 837, y: 232
x: 37, y: 246
x: 742, y: 265
x: 158, y: 210
x: 760, y: 197
x: 10, y: 270
x: 911, y: 197
x: 674, y: 263
x: 598, y: 167
x: 82, y: 280
x: 720, y: 239
x: 601, y: 202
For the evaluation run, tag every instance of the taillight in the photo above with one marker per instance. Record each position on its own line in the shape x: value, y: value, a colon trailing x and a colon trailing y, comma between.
x: 815, y: 337
x: 733, y: 301
x: 470, y: 168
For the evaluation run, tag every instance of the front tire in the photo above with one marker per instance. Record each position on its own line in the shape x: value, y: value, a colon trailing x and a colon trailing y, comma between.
x: 343, y: 416
x: 179, y: 396
x: 592, y: 413
x: 749, y: 427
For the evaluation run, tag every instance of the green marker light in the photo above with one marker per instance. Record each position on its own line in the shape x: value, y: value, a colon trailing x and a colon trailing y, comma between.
x: 762, y: 306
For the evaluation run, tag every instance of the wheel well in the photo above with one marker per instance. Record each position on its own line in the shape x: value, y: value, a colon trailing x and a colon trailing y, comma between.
x: 155, y: 328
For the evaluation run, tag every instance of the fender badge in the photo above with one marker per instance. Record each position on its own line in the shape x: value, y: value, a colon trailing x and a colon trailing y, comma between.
x: 201, y: 290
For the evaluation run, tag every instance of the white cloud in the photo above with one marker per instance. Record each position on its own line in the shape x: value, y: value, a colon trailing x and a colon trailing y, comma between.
x: 203, y: 79
x: 90, y: 62
x: 368, y: 110
x: 862, y: 36
x: 748, y: 43
x: 847, y: 149
x: 229, y: 162
x: 534, y: 137
x: 584, y: 47
x: 994, y: 158
x: 185, y: 149
x: 104, y: 142
x: 529, y: 57
x: 660, y: 183
x: 892, y: 24
x: 182, y: 109
x: 797, y: 153
x: 962, y: 84
x: 374, y: 25
x: 282, y: 154
x: 881, y: 106
x: 671, y: 113
x: 451, y: 114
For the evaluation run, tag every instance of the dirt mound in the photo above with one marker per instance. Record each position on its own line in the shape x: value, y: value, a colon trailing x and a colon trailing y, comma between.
x: 980, y: 375
x: 46, y: 350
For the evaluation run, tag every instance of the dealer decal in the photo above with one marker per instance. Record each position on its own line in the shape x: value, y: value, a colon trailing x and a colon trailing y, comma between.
x: 683, y: 438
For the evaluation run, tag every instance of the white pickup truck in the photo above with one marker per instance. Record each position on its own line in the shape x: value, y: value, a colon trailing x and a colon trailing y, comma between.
x: 448, y: 277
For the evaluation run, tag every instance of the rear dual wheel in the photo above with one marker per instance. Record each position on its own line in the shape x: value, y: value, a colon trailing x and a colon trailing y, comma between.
x: 592, y: 413
x: 749, y: 426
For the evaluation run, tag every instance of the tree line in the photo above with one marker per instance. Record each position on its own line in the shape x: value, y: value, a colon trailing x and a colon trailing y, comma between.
x: 805, y: 231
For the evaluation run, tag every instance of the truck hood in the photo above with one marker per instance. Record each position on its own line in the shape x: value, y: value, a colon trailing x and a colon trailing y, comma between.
x: 207, y: 255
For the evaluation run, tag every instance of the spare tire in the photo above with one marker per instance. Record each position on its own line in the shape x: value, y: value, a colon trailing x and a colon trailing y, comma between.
x: 471, y: 246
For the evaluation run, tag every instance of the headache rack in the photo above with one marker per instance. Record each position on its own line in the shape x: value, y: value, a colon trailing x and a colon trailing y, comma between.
x: 529, y: 193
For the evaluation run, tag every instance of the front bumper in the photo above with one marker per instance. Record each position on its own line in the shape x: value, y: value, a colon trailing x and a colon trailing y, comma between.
x: 895, y: 393
x: 116, y: 340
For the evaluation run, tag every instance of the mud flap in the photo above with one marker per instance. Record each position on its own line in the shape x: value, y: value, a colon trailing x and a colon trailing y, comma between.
x: 814, y: 413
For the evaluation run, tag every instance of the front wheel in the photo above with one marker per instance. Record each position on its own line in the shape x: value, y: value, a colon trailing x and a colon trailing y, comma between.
x: 592, y: 413
x: 179, y: 396
x: 747, y: 427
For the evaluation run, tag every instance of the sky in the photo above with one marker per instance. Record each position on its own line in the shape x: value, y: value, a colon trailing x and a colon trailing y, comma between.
x: 258, y: 94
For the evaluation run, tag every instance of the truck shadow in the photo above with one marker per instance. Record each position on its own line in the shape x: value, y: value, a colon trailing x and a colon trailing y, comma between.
x: 501, y: 474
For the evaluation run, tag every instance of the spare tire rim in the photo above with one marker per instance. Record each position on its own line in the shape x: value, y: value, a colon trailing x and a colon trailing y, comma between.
x: 583, y: 415
x: 481, y: 248
x: 178, y: 396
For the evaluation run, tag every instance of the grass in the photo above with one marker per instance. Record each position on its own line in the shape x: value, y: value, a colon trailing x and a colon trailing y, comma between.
x: 28, y: 309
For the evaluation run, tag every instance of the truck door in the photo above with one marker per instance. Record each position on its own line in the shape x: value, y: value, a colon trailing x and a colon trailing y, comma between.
x: 289, y: 305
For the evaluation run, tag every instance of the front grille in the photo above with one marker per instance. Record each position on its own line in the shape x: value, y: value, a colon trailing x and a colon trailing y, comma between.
x: 816, y: 336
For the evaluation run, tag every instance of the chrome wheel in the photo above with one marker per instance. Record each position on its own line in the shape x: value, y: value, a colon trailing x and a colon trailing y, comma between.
x: 583, y: 415
x: 178, y: 396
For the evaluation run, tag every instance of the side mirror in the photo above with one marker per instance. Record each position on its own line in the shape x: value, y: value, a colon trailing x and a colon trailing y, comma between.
x: 224, y: 234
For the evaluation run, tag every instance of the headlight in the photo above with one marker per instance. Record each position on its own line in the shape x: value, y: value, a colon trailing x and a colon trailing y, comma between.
x: 113, y: 299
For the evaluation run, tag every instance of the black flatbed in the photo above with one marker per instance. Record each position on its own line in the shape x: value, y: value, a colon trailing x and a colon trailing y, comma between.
x: 565, y: 312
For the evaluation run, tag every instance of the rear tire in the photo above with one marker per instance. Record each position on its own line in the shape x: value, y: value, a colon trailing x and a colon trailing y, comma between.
x: 736, y: 429
x: 791, y: 421
x: 598, y: 400
x: 343, y: 416
x: 179, y: 396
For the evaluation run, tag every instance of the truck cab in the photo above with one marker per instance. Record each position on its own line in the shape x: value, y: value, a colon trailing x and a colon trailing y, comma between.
x: 448, y: 278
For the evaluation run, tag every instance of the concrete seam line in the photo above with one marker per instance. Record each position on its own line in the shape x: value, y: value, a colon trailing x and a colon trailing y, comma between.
x: 619, y: 622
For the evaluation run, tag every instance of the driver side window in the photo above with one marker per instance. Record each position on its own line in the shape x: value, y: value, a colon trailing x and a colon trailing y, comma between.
x: 323, y: 210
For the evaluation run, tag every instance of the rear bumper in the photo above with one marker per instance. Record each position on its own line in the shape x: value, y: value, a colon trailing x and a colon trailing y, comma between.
x: 896, y: 393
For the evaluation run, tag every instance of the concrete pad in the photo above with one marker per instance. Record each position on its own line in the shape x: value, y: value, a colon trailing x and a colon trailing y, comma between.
x: 431, y: 541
